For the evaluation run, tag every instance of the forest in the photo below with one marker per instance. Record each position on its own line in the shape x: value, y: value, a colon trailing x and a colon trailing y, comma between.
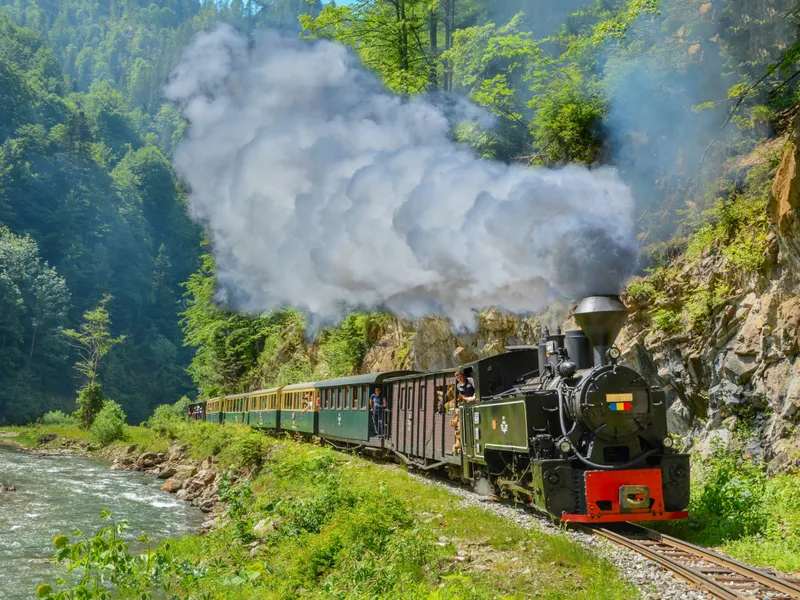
x: 92, y: 213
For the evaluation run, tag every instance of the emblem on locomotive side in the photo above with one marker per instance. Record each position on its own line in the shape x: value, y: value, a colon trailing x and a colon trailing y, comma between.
x: 504, y: 426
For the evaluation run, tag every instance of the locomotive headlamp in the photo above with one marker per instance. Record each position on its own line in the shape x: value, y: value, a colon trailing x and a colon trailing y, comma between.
x: 668, y: 442
x: 614, y: 353
x: 565, y: 446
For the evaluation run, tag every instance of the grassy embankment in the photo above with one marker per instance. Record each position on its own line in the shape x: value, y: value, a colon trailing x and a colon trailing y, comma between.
x: 339, y: 526
x: 739, y: 510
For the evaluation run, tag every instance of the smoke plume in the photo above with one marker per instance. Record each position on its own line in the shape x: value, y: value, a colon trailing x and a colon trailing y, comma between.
x: 322, y: 190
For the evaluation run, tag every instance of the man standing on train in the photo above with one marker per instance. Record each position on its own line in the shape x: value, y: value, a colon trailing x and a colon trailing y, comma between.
x: 376, y: 405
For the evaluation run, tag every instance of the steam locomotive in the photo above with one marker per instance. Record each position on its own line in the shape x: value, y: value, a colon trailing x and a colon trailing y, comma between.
x: 560, y: 426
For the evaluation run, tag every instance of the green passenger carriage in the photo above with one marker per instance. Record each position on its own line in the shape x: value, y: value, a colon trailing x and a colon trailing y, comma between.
x: 344, y: 405
x: 263, y: 411
x: 214, y: 410
x: 234, y: 408
x: 298, y: 406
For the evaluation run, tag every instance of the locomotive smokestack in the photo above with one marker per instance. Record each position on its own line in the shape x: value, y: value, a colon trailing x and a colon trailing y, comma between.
x: 601, y: 318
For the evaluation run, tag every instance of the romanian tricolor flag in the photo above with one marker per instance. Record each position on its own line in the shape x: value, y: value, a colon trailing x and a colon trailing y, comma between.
x: 619, y: 401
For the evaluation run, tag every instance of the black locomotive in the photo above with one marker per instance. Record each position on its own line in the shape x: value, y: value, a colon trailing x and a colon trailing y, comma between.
x: 594, y: 446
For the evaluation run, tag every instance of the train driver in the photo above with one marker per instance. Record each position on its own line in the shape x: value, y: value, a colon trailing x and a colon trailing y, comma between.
x: 465, y: 387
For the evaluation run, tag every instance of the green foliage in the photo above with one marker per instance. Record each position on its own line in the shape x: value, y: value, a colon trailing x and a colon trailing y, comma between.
x: 90, y: 402
x: 336, y: 527
x: 57, y: 417
x: 167, y: 420
x: 730, y: 500
x: 237, y: 496
x: 345, y: 346
x: 737, y: 226
x: 82, y: 174
x: 104, y: 563
x: 109, y: 425
x: 667, y: 320
x: 247, y: 450
x: 643, y: 291
x: 93, y: 341
x: 33, y: 308
x: 387, y: 36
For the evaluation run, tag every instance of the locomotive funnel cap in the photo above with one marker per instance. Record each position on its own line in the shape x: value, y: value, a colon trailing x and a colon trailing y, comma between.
x: 601, y: 318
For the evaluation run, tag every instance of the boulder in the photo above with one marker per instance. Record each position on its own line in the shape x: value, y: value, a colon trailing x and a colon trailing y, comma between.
x: 208, y: 525
x: 205, y: 477
x: 172, y: 485
x: 167, y: 472
x: 47, y: 438
x: 148, y: 460
x: 184, y: 472
x: 748, y: 341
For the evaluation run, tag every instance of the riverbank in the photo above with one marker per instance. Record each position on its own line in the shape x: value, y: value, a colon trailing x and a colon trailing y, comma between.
x: 304, y: 521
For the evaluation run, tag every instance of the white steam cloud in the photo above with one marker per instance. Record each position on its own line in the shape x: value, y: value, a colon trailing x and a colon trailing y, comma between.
x: 324, y: 191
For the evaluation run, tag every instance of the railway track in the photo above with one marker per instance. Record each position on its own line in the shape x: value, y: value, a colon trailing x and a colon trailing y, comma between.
x: 717, y: 575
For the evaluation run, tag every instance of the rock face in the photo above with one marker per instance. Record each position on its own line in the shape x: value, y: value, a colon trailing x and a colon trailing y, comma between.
x: 743, y: 363
x: 785, y: 201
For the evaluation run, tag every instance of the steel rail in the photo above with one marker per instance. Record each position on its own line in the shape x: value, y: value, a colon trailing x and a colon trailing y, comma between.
x: 717, y: 578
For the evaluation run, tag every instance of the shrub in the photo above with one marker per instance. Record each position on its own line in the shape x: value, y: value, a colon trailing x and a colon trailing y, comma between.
x: 57, y: 417
x: 90, y: 401
x: 730, y: 500
x: 168, y: 419
x: 245, y: 450
x: 109, y: 426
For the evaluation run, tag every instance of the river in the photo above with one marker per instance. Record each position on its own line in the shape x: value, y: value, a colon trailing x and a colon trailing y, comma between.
x: 59, y: 494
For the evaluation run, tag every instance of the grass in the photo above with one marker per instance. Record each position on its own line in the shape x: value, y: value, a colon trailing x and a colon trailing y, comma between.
x: 348, y: 528
x: 343, y: 527
x: 29, y: 435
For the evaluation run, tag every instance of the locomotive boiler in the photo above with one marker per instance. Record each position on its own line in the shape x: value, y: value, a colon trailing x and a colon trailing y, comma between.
x: 582, y: 437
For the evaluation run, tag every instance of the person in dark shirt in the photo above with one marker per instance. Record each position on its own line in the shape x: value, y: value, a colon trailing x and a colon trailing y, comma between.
x: 376, y: 405
x: 465, y: 387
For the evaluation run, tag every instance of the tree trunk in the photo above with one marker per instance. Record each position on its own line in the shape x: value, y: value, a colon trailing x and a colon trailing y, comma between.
x: 449, y: 26
x: 33, y: 344
x: 433, y: 24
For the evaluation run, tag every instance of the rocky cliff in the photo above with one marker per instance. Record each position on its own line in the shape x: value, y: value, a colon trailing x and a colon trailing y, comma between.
x: 735, y: 367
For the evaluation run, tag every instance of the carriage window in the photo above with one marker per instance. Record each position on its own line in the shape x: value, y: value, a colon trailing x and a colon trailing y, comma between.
x: 423, y: 400
x: 411, y: 398
x: 364, y: 396
x: 403, y: 399
x: 356, y: 390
